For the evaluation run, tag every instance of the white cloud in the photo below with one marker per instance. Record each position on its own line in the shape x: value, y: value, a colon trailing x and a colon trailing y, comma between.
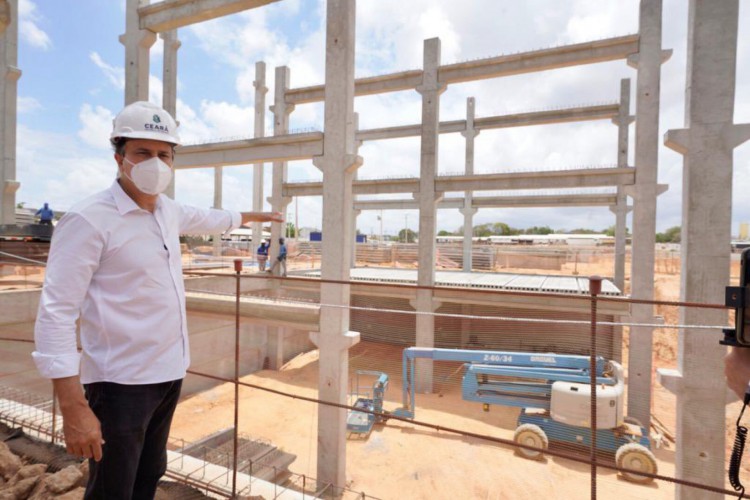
x: 28, y: 104
x: 54, y: 168
x: 592, y: 20
x: 96, y: 126
x: 228, y: 120
x: 115, y: 74
x: 28, y: 27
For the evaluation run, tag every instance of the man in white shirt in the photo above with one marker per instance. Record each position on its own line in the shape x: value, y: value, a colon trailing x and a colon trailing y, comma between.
x: 115, y: 262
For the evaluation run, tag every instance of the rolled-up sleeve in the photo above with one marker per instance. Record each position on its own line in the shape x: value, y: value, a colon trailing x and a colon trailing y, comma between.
x: 74, y: 257
x: 195, y: 220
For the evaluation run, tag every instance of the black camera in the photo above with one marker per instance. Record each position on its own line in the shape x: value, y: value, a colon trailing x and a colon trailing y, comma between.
x: 738, y: 298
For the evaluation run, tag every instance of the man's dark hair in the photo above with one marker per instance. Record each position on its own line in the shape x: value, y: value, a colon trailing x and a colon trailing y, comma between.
x: 118, y: 144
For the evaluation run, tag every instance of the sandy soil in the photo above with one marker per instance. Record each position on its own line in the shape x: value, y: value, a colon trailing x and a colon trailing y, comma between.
x: 399, y: 459
x: 404, y: 461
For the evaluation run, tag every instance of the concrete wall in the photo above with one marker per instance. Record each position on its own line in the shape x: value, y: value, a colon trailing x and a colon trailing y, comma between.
x: 221, y: 284
x: 468, y: 333
x: 212, y: 338
x: 18, y: 306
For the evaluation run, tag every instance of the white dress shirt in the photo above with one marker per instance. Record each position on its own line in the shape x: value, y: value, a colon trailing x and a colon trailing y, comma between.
x: 118, y: 267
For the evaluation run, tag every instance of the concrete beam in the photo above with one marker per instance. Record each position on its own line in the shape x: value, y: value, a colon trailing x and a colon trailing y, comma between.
x: 288, y: 147
x: 172, y: 14
x: 553, y: 200
x: 291, y: 315
x: 610, y: 49
x: 567, y: 115
x: 305, y: 146
x: 447, y: 294
x: 556, y: 179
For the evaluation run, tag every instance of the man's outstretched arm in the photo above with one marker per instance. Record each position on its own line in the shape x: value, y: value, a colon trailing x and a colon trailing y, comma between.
x: 261, y: 217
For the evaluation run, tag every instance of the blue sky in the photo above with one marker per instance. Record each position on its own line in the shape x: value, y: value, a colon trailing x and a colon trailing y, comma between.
x: 72, y: 86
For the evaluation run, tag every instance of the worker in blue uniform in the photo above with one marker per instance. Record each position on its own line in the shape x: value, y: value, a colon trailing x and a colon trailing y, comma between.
x: 45, y: 215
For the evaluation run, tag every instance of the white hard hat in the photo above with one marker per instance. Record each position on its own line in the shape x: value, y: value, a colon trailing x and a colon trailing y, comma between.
x: 144, y: 120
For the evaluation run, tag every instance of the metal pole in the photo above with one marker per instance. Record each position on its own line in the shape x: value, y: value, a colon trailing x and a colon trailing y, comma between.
x: 595, y: 287
x: 54, y: 414
x: 237, y: 270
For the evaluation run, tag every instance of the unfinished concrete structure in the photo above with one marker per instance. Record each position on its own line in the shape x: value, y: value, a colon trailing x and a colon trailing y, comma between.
x: 334, y: 152
x: 708, y: 139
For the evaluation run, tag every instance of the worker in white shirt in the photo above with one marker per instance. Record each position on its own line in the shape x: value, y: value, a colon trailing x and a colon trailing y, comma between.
x: 115, y: 263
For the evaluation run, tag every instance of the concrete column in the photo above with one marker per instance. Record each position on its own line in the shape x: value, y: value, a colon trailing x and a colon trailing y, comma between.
x: 137, y: 44
x: 218, y: 191
x: 281, y: 111
x: 338, y: 163
x: 355, y: 212
x: 169, y: 85
x: 621, y: 209
x: 8, y: 97
x: 430, y: 89
x: 468, y: 210
x: 648, y: 62
x: 706, y: 143
x: 260, y: 131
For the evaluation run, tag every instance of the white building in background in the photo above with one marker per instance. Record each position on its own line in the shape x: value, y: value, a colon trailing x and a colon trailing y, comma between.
x: 537, y: 239
x: 744, y: 230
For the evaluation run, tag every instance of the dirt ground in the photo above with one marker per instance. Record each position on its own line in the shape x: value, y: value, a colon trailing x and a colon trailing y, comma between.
x: 400, y: 460
x: 403, y: 461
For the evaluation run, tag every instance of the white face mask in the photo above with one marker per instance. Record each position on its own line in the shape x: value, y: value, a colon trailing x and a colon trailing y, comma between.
x: 150, y: 176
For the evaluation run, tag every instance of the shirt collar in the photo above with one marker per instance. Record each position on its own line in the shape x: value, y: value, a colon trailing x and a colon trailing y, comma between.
x: 125, y: 203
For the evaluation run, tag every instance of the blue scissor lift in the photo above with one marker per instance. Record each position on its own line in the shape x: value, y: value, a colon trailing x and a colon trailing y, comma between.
x: 554, y: 394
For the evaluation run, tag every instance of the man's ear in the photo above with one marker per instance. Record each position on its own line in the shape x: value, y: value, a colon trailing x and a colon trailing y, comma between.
x: 118, y: 160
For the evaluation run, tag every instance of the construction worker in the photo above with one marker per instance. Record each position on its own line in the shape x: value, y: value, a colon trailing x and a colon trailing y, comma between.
x: 45, y: 215
x: 262, y: 255
x: 115, y: 262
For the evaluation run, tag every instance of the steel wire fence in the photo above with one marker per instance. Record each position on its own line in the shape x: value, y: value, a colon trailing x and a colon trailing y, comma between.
x: 456, y: 443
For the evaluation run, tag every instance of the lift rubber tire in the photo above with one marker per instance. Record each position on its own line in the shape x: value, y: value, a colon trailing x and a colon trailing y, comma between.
x: 633, y: 421
x: 531, y: 435
x: 638, y: 457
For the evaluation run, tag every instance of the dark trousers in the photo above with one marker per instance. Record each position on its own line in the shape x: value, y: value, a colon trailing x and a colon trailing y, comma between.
x: 135, y: 422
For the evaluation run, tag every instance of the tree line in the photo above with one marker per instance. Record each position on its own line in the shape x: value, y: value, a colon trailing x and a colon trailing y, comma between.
x: 671, y: 235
